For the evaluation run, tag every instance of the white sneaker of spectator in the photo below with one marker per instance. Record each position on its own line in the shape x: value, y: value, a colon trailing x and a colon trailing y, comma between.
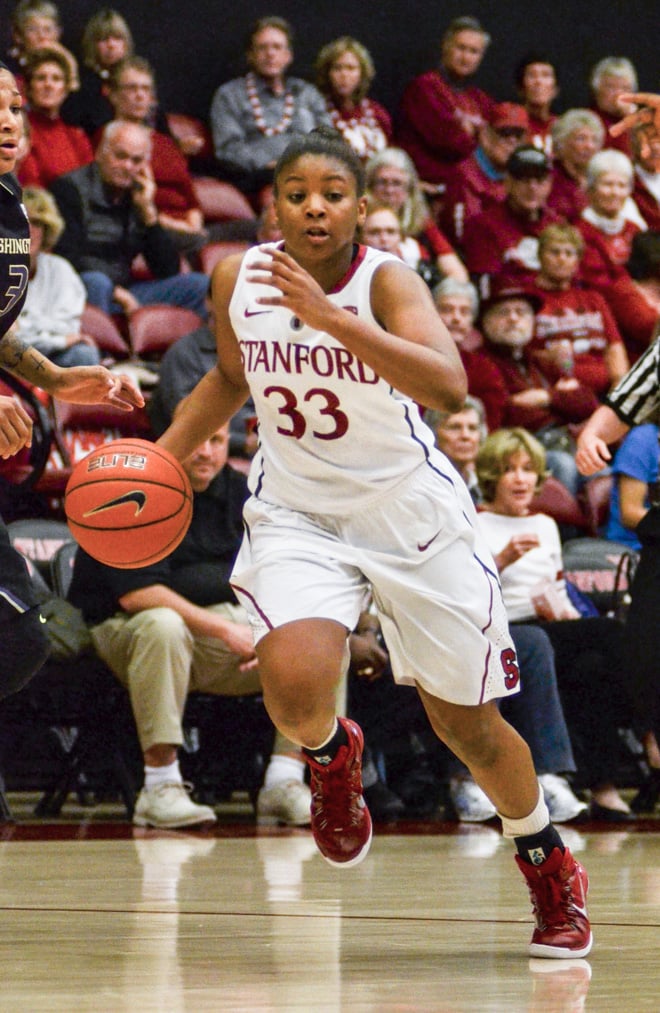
x: 562, y: 804
x: 472, y: 805
x: 287, y: 803
x: 169, y: 806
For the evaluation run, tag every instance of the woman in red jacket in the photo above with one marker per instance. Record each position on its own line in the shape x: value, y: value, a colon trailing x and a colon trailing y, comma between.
x: 56, y: 147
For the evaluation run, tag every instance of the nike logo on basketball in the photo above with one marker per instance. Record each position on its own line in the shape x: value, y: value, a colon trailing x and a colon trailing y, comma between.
x: 137, y: 496
x: 255, y: 313
x: 423, y: 547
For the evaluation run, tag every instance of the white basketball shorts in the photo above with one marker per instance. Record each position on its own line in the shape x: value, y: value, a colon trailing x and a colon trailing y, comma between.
x: 417, y: 550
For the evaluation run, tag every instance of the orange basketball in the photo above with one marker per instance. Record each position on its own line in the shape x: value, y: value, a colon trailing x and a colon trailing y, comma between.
x: 128, y: 503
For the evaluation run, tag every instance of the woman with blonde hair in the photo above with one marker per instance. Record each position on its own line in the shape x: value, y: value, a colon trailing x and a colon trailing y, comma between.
x: 344, y: 72
x: 589, y: 651
x: 392, y: 179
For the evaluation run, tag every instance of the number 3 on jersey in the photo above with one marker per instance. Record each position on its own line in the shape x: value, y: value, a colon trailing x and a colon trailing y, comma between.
x: 298, y: 424
x: 15, y: 291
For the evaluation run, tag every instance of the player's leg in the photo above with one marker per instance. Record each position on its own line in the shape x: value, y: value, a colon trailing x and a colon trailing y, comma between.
x: 301, y: 665
x: 500, y: 762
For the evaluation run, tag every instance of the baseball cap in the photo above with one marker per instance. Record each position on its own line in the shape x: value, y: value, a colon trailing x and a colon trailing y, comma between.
x: 509, y: 116
x: 505, y: 286
x: 528, y: 162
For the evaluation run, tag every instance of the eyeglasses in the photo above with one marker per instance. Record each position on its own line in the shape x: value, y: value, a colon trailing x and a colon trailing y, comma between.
x: 391, y: 184
x: 136, y: 87
x: 510, y: 132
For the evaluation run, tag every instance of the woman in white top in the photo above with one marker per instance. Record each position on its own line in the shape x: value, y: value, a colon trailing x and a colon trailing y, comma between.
x: 589, y: 652
x: 50, y: 318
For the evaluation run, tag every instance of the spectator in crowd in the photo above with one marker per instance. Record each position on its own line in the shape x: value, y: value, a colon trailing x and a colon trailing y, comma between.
x: 106, y: 40
x: 183, y: 365
x: 537, y: 712
x: 56, y: 147
x: 132, y: 95
x: 611, y: 78
x: 35, y: 24
x: 608, y: 225
x: 589, y: 651
x: 344, y: 72
x: 644, y: 268
x: 538, y: 87
x: 576, y: 137
x: 459, y: 435
x: 253, y: 117
x: 477, y: 182
x: 110, y: 217
x: 382, y: 230
x: 576, y: 334
x: 646, y: 186
x: 174, y: 627
x: 392, y: 179
x: 50, y: 319
x: 457, y: 302
x: 635, y: 470
x: 506, y: 236
x: 610, y: 220
x: 542, y: 402
x: 441, y: 111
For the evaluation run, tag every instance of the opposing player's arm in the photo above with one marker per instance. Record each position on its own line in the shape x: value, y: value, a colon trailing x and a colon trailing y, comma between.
x: 76, y: 384
x: 223, y: 390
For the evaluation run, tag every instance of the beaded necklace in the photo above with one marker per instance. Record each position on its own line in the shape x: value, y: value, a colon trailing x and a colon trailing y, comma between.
x: 361, y: 130
x: 258, y: 112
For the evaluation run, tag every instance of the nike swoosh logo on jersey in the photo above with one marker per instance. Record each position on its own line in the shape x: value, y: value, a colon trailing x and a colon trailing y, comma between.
x: 423, y: 547
x: 136, y: 496
x: 254, y: 313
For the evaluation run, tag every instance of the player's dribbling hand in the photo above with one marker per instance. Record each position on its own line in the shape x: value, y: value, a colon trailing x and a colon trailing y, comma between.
x: 299, y: 292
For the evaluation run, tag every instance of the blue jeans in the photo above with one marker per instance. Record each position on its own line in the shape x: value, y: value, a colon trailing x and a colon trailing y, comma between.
x: 536, y: 712
x: 77, y: 355
x: 187, y: 290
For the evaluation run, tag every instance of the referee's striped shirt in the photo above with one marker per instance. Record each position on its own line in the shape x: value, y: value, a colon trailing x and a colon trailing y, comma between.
x: 636, y: 398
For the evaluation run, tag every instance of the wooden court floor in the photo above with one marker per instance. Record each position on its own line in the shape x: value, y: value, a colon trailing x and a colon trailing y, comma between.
x: 105, y: 917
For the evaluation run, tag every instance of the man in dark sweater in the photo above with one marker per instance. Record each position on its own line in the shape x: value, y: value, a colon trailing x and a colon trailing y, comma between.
x: 110, y: 217
x: 174, y: 627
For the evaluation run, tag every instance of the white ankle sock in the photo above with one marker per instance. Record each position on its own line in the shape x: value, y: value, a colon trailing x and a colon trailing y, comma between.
x: 538, y: 820
x: 284, y: 768
x: 153, y: 776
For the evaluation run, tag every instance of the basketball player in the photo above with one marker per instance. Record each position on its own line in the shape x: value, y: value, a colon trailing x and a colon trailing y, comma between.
x: 24, y: 644
x: 336, y: 342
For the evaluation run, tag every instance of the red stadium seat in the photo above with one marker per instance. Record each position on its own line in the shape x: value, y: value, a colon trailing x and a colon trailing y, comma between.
x: 220, y: 201
x: 152, y: 329
x: 212, y: 253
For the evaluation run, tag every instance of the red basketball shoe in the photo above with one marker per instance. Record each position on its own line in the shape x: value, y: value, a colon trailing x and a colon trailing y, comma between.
x: 341, y: 823
x: 558, y: 888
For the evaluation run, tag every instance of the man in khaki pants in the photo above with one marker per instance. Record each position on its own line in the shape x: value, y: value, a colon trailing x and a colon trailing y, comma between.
x: 174, y: 627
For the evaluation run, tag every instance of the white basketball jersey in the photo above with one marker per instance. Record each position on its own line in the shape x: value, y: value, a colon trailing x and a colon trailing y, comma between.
x: 332, y: 433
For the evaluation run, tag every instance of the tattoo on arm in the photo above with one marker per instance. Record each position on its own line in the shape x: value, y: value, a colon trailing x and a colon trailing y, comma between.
x: 21, y: 360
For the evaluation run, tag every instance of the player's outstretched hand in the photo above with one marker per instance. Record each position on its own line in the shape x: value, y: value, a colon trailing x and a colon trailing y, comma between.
x: 299, y: 292
x: 647, y: 116
x: 97, y: 385
x: 15, y: 427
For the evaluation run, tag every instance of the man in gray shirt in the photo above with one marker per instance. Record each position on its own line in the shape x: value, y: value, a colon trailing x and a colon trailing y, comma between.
x: 254, y: 117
